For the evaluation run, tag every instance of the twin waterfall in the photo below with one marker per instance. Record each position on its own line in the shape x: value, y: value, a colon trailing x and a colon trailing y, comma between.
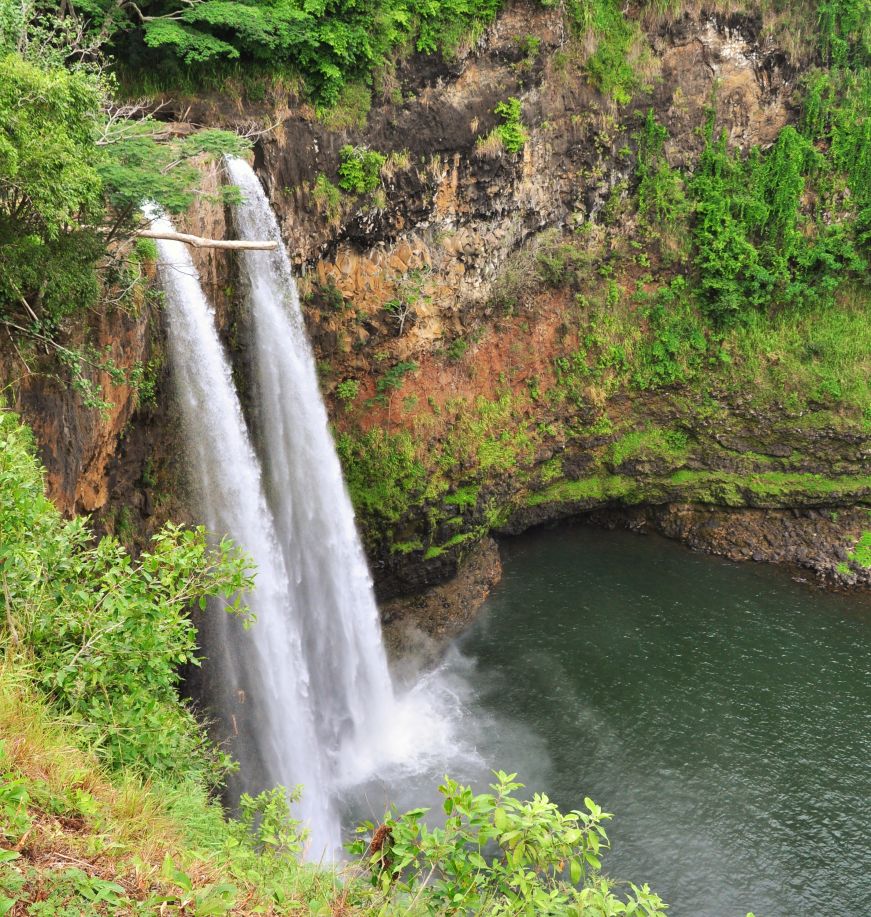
x: 305, y: 693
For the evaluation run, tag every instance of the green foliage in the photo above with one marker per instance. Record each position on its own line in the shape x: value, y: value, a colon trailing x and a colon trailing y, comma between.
x: 731, y: 277
x: 360, y: 169
x: 463, y: 497
x: 845, y: 124
x: 651, y: 443
x: 675, y: 343
x: 349, y: 111
x: 347, y: 390
x: 753, y: 248
x: 490, y: 436
x: 73, y: 172
x: 138, y: 168
x: 327, y: 197
x: 457, y: 349
x: 331, y: 43
x: 265, y: 822
x: 107, y: 633
x: 49, y: 118
x: 409, y: 292
x: 661, y: 200
x: 382, y: 471
x: 14, y: 798
x: 861, y: 553
x: 805, y: 356
x: 497, y: 854
x: 50, y: 190
x: 442, y: 25
x: 562, y: 263
x: 168, y: 847
x: 511, y: 131
x: 393, y: 379
x: 845, y: 32
x: 610, y: 67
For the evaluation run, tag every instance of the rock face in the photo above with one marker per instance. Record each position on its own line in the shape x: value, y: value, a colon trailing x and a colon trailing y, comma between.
x: 812, y: 539
x: 77, y: 444
x: 421, y: 623
x: 459, y: 211
x: 413, y: 274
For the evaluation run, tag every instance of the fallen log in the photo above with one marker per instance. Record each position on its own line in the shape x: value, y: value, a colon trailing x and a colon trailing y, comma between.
x: 200, y: 242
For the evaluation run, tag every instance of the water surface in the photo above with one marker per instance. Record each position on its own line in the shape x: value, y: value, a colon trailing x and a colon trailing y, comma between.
x: 722, y: 711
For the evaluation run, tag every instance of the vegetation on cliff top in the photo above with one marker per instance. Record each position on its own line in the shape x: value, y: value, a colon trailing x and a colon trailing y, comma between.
x: 173, y: 43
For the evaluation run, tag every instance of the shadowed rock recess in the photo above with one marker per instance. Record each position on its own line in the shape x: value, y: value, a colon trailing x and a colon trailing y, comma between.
x: 474, y: 319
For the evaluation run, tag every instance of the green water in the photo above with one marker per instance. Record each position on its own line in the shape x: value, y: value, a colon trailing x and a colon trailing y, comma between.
x: 721, y: 711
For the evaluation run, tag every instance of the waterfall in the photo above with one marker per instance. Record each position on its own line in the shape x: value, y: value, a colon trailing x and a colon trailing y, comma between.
x: 258, y: 680
x: 330, y: 586
x: 304, y: 695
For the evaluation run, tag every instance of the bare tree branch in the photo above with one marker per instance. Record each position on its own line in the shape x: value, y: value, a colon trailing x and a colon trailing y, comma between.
x: 200, y: 242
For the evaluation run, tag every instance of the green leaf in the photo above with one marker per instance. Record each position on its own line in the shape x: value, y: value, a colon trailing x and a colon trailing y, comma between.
x: 576, y: 871
x: 592, y: 859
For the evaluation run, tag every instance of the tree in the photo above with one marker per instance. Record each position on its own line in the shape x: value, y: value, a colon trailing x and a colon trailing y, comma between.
x: 50, y: 188
x: 74, y: 170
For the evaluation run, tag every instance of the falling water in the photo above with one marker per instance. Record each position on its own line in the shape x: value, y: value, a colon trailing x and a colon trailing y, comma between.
x: 257, y: 680
x: 330, y: 586
x: 305, y: 694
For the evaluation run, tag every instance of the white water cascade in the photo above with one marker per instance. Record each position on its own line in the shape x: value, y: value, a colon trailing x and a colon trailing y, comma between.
x: 305, y: 695
x: 258, y: 680
x: 330, y: 586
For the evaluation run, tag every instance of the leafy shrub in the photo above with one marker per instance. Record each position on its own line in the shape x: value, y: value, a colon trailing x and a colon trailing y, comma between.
x: 497, y: 854
x: 393, y: 378
x: 675, y: 343
x: 750, y: 251
x: 661, y: 200
x: 347, y: 390
x: 72, y: 177
x: 844, y: 33
x: 107, y: 633
x: 848, y: 132
x: 50, y: 188
x: 329, y: 44
x: 511, y: 131
x: 265, y: 822
x: 457, y: 349
x: 360, y: 169
x: 609, y: 68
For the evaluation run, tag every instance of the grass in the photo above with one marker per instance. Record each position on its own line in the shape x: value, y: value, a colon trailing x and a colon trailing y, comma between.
x: 769, y: 488
x: 397, y: 161
x: 821, y: 356
x: 490, y: 145
x: 463, y: 497
x: 328, y: 199
x: 82, y: 841
x: 861, y: 553
x: 594, y: 490
x: 650, y: 443
x: 350, y: 112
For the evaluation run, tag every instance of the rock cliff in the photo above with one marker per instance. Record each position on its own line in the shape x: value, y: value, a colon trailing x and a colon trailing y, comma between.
x: 445, y: 309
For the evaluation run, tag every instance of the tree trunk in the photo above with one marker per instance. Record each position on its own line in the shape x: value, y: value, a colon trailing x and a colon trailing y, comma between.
x: 200, y: 242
